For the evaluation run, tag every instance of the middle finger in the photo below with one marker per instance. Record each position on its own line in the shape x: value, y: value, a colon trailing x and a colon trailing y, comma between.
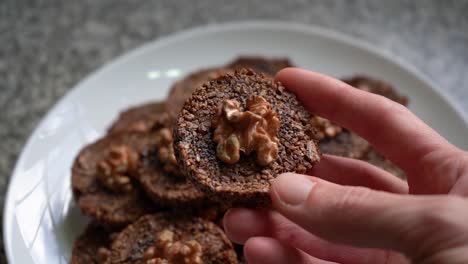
x: 272, y: 224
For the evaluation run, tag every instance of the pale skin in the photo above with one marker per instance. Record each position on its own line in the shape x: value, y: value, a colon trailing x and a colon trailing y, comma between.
x: 347, y: 211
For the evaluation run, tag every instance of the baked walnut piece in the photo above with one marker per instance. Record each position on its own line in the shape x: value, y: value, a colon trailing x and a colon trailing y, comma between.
x: 115, y: 170
x: 248, y: 131
x: 166, y: 151
x: 174, y: 252
x: 103, y: 255
x: 325, y: 128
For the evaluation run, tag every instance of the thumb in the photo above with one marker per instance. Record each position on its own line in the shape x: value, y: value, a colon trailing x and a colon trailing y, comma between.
x: 358, y: 216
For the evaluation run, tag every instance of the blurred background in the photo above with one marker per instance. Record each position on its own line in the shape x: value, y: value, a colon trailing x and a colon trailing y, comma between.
x: 46, y: 47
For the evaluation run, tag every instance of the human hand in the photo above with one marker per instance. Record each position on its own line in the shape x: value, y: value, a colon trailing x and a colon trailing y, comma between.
x: 352, y: 212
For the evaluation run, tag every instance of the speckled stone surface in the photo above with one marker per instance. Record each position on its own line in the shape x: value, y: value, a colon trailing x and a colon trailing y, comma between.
x: 47, y: 46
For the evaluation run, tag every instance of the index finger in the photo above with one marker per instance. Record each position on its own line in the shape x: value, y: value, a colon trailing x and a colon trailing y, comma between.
x: 389, y: 126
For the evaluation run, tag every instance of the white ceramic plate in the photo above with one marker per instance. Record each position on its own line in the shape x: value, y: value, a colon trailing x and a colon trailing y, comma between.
x: 40, y: 218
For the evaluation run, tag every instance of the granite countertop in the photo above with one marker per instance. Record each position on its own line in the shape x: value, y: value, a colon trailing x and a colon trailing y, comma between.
x: 46, y: 47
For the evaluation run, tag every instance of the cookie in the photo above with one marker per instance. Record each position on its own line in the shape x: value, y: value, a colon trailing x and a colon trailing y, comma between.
x: 182, y: 89
x: 141, y: 118
x: 170, y: 238
x: 379, y: 87
x: 268, y: 66
x: 345, y: 144
x: 92, y: 246
x: 378, y: 160
x: 162, y: 179
x: 341, y: 142
x: 237, y: 133
x: 103, y: 179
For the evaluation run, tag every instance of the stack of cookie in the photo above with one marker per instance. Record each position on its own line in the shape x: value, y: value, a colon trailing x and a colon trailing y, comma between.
x: 157, y: 185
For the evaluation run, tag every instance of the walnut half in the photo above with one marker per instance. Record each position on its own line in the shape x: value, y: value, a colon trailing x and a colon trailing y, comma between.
x: 115, y: 170
x: 246, y: 131
x: 103, y: 255
x: 167, y: 250
x: 166, y: 154
x: 325, y: 128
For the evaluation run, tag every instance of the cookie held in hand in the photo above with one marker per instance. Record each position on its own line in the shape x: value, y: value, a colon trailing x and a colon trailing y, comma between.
x: 238, y: 132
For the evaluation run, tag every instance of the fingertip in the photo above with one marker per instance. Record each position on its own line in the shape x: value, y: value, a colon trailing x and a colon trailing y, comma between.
x: 256, y: 248
x: 290, y: 189
x: 284, y: 73
x: 269, y: 250
x: 284, y: 178
x: 227, y: 216
x: 235, y: 227
x: 287, y: 75
x: 230, y: 224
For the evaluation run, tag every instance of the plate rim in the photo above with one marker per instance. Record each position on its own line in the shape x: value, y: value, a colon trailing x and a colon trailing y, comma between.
x: 165, y: 40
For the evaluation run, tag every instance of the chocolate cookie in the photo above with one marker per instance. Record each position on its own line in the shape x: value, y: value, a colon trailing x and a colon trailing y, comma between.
x: 376, y: 86
x: 342, y: 142
x: 92, y: 246
x: 167, y: 238
x: 268, y: 66
x: 378, y: 160
x: 103, y: 179
x: 162, y: 179
x: 181, y: 90
x: 345, y: 144
x: 238, y: 132
x: 141, y: 118
x: 159, y: 174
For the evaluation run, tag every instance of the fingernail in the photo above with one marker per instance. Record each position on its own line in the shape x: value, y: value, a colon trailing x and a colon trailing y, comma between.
x: 292, y: 189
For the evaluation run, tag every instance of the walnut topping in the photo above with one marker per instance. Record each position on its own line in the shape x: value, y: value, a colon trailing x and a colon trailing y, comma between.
x: 248, y: 131
x: 166, y: 150
x: 166, y: 250
x: 115, y: 170
x: 103, y: 255
x: 157, y: 261
x: 139, y: 126
x: 325, y: 128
